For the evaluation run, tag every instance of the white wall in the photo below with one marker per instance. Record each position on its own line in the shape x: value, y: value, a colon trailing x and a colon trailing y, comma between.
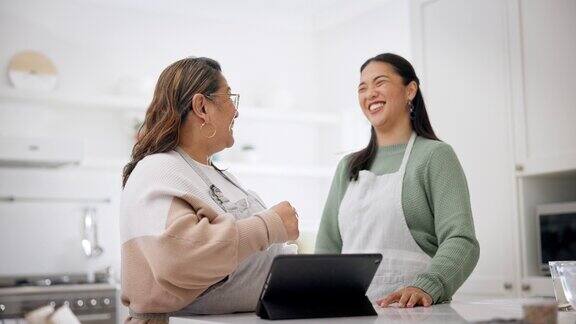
x: 343, y: 49
x: 339, y: 50
x: 94, y: 45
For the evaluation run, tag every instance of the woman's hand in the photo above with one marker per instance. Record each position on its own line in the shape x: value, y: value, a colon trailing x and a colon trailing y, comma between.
x: 407, y: 297
x: 289, y: 218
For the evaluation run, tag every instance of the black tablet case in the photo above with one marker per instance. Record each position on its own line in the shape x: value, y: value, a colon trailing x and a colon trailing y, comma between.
x: 318, y: 285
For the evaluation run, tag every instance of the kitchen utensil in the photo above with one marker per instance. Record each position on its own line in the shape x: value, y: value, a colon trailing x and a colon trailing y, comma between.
x: 90, y: 244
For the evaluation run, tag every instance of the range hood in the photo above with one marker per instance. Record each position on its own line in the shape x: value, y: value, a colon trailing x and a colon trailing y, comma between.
x: 39, y: 152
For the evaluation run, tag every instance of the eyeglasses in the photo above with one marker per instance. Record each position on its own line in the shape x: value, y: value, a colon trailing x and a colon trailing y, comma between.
x: 234, y: 97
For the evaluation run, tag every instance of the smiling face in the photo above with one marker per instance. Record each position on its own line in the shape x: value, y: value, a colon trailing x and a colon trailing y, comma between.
x: 222, y: 112
x: 383, y: 96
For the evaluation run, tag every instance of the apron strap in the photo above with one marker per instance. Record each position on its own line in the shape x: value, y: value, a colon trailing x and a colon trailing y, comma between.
x: 194, y: 167
x: 407, y: 153
x: 214, y: 190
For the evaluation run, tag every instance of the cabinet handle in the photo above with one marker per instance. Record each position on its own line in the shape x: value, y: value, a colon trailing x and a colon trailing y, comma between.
x: 526, y: 287
x: 508, y: 286
x: 519, y: 167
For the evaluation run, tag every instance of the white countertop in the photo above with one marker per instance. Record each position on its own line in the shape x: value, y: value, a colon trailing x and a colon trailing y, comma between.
x: 454, y: 312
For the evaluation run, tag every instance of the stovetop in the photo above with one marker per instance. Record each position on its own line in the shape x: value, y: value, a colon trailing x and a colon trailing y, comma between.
x: 52, y: 280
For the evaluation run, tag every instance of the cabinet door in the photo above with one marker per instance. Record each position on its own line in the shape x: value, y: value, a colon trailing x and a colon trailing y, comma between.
x: 461, y: 55
x: 547, y: 55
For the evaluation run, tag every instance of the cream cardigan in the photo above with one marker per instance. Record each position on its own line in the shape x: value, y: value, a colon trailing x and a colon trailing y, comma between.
x: 176, y: 242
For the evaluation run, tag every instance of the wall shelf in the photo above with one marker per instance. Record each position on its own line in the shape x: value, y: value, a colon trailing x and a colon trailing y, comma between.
x: 234, y: 167
x: 136, y: 107
x: 103, y: 164
x: 61, y: 100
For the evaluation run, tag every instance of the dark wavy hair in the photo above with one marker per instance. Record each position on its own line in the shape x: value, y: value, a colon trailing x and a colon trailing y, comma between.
x: 172, y: 100
x: 363, y: 159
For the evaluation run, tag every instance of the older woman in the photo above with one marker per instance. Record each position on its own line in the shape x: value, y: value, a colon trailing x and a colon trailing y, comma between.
x: 404, y: 195
x: 193, y: 239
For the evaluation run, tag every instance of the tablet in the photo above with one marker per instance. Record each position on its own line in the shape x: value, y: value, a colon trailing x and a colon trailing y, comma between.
x: 318, y: 285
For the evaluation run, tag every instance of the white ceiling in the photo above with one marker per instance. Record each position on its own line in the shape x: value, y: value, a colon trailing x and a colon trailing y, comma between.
x: 287, y: 14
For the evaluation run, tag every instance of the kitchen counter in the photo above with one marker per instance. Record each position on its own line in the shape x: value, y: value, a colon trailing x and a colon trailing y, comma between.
x: 455, y: 312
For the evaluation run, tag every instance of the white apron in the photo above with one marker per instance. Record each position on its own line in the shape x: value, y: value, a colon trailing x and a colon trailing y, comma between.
x: 240, y: 291
x: 371, y: 220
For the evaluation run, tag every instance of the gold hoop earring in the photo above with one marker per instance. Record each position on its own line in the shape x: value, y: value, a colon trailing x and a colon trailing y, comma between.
x: 204, y: 124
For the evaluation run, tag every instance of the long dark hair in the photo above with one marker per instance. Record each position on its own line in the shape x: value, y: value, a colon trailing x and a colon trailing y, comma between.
x: 172, y: 100
x: 363, y: 159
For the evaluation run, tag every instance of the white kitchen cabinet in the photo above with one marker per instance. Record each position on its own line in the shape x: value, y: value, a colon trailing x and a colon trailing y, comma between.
x: 497, y: 77
x: 461, y: 56
x: 547, y: 55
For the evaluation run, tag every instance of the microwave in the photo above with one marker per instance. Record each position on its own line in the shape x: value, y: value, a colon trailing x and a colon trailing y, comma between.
x: 556, y: 233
